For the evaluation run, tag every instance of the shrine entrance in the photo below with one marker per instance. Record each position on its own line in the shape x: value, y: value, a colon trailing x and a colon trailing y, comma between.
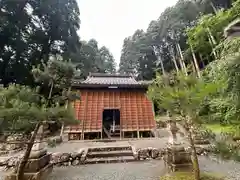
x: 111, y: 123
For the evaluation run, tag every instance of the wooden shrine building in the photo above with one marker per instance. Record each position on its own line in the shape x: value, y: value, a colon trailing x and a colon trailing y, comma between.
x: 112, y: 106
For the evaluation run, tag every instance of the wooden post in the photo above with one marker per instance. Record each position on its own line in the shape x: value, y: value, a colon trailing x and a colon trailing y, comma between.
x: 85, y: 117
x: 138, y: 135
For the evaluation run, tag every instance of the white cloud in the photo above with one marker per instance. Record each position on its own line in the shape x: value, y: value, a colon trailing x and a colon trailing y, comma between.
x: 110, y: 21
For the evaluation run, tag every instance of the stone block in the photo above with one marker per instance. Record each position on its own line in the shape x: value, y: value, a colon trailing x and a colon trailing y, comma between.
x: 37, y: 154
x: 75, y: 162
x: 176, y: 148
x: 41, y: 175
x: 155, y: 153
x: 181, y: 158
x: 34, y: 165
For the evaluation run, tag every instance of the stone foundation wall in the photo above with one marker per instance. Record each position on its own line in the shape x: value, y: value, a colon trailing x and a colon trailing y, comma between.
x: 78, y: 158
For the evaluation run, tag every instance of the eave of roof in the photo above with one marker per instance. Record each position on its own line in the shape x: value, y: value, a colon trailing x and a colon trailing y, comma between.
x: 99, y: 80
x: 110, y: 86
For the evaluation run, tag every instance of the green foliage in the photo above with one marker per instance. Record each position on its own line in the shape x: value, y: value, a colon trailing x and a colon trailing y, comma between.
x: 206, y: 133
x: 141, y: 51
x: 190, y: 176
x: 91, y: 58
x: 218, y: 128
x: 22, y: 107
x: 57, y: 76
x: 227, y: 150
x: 56, y: 71
x: 184, y: 96
x: 223, y: 106
x: 229, y: 47
x: 32, y: 31
x: 207, y: 35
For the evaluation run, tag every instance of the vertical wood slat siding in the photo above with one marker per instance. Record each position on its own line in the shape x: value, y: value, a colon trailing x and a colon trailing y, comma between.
x: 136, y: 111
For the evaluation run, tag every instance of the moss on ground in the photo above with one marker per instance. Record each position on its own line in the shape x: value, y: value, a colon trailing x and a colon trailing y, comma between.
x: 218, y: 128
x: 190, y: 176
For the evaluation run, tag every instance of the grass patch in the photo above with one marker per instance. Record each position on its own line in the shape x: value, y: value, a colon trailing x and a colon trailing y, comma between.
x: 190, y: 176
x: 218, y: 128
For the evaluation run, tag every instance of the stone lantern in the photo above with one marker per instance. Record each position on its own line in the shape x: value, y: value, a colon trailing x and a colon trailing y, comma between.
x: 172, y: 129
x: 176, y: 157
x: 38, y: 165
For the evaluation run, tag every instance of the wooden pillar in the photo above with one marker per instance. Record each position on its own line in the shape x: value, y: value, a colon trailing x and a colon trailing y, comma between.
x: 138, y: 135
x: 85, y: 116
x: 83, y: 136
x: 120, y: 132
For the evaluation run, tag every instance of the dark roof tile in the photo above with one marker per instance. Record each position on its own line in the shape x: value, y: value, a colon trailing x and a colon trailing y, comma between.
x: 111, y: 80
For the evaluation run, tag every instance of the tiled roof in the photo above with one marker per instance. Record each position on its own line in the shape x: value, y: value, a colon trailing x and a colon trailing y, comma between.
x: 109, y: 79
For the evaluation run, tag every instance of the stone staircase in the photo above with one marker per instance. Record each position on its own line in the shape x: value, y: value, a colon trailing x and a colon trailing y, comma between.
x: 109, y: 154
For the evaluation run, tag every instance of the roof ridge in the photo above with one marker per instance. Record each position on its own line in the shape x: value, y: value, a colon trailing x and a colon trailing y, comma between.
x: 109, y: 75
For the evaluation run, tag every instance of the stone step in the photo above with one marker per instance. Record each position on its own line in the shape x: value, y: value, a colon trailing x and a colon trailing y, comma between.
x: 109, y: 148
x: 109, y: 154
x: 122, y: 159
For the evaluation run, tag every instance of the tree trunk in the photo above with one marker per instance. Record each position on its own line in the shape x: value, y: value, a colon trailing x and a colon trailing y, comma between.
x: 195, y: 62
x: 62, y: 130
x: 202, y: 61
x: 196, y: 168
x: 20, y: 170
x: 214, y: 8
x: 162, y: 66
x: 174, y: 59
x: 50, y: 92
x: 157, y: 54
x: 182, y: 63
x: 66, y: 106
x: 212, y: 42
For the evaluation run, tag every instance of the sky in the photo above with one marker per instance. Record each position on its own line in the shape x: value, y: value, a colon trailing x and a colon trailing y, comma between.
x: 110, y: 21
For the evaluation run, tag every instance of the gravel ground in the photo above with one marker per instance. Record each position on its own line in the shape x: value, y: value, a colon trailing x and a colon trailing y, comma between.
x: 145, y: 170
x: 230, y: 169
x: 148, y: 170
